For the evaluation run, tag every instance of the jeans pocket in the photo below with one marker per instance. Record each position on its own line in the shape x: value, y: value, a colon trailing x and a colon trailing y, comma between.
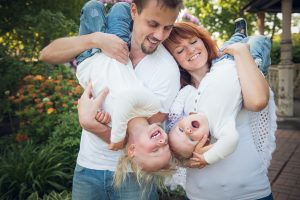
x: 78, y: 169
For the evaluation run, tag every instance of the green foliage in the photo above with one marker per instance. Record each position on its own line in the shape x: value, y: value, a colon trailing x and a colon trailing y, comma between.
x: 275, y: 52
x: 67, y: 133
x: 176, y: 194
x: 27, y: 39
x: 40, y: 99
x: 65, y: 195
x: 218, y: 16
x: 25, y: 169
x: 12, y: 13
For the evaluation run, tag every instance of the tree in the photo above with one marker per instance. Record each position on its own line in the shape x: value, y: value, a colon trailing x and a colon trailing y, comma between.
x: 12, y: 13
x: 218, y: 15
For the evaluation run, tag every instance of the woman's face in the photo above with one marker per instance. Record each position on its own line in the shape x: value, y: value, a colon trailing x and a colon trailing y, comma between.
x: 191, y: 54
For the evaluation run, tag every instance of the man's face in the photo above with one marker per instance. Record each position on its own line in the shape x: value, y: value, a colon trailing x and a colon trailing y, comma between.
x: 152, y: 26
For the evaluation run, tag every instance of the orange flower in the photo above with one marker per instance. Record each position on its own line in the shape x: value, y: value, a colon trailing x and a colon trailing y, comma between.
x: 50, y: 103
x: 11, y: 98
x: 78, y: 89
x: 28, y: 77
x: 50, y: 110
x: 20, y: 137
x: 38, y: 78
x: 37, y: 100
x: 39, y: 105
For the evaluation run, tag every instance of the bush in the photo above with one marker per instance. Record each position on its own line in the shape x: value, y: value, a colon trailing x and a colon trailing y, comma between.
x: 275, y: 51
x: 67, y: 134
x: 41, y: 99
x: 25, y: 168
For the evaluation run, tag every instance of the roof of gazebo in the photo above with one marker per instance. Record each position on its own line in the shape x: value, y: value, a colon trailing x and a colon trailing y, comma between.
x: 269, y: 6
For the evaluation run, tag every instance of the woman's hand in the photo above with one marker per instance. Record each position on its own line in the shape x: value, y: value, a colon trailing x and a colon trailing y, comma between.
x: 236, y: 48
x: 198, y: 161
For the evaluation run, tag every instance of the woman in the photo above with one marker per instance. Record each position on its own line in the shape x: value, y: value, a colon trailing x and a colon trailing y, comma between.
x: 242, y: 175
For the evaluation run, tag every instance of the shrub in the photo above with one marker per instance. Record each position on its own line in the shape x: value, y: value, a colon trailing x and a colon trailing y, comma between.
x: 67, y: 134
x: 41, y: 99
x: 25, y: 168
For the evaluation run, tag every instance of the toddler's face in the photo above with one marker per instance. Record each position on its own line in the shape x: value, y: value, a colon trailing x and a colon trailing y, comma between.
x: 187, y: 133
x: 152, y: 150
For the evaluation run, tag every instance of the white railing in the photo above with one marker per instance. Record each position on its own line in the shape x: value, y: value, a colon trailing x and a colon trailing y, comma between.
x: 273, y: 79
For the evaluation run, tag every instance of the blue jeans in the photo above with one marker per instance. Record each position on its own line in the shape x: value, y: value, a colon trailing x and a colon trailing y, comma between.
x: 270, y: 197
x: 89, y: 184
x: 260, y: 48
x: 93, y: 18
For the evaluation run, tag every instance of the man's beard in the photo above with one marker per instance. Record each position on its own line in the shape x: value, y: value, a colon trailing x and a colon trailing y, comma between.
x: 147, y: 50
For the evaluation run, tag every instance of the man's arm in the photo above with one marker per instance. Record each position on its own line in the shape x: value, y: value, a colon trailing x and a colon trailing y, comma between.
x: 66, y: 49
x: 87, y: 110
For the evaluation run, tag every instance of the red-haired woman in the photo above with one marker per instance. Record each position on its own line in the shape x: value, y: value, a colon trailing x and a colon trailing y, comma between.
x: 243, y: 173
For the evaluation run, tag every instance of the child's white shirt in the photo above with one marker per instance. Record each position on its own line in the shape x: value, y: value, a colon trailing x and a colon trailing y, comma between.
x: 127, y: 97
x: 219, y: 98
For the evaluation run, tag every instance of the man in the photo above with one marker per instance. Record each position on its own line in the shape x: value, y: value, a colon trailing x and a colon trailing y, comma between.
x: 153, y: 21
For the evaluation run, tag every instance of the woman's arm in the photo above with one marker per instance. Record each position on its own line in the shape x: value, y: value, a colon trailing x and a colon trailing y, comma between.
x: 66, y: 49
x: 255, y: 89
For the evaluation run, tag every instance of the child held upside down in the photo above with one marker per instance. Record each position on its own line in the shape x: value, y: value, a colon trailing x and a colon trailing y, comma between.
x: 129, y: 103
x: 214, y: 105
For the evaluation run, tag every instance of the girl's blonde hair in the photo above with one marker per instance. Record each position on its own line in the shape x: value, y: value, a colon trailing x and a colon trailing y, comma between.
x: 143, y: 178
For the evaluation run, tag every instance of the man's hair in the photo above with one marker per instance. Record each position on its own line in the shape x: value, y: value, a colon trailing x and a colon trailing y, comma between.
x: 141, y: 4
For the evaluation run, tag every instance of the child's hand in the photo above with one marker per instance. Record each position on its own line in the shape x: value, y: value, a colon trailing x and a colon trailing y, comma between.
x: 116, y: 146
x: 197, y: 161
x: 103, y: 117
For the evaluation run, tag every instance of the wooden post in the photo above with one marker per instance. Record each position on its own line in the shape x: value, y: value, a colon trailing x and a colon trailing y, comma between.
x: 260, y: 22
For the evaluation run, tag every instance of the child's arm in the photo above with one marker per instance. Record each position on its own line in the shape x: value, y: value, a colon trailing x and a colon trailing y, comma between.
x: 63, y: 50
x: 225, y: 145
x: 131, y: 103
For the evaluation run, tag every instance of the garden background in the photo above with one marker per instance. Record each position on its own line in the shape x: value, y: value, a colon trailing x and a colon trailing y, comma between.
x: 39, y: 129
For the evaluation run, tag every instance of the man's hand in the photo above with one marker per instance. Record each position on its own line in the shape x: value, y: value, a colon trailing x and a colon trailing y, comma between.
x: 117, y: 146
x: 88, y: 106
x: 112, y: 46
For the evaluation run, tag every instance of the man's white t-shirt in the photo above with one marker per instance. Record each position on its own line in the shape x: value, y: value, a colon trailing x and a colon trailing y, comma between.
x: 158, y: 72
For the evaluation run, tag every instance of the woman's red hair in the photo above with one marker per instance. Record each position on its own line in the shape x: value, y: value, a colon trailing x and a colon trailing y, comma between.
x: 187, y: 30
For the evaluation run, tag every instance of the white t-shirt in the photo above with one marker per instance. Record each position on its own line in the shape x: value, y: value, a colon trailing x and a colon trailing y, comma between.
x: 242, y: 175
x: 158, y: 72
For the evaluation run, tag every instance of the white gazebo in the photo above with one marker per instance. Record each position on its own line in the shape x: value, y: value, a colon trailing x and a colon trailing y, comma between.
x: 285, y: 71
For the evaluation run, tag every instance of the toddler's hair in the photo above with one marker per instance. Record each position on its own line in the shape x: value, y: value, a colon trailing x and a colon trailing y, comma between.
x: 143, y: 178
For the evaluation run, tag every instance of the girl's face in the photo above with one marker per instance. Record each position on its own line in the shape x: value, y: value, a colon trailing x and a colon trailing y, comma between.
x: 191, y: 54
x: 151, y: 148
x: 187, y: 133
